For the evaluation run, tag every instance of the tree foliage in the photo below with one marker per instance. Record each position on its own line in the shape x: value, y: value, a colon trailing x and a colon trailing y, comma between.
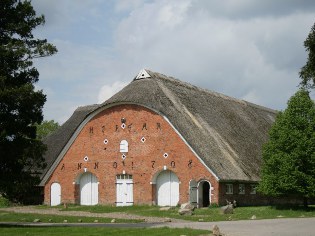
x: 20, y: 105
x: 289, y: 155
x: 46, y: 128
x: 307, y: 73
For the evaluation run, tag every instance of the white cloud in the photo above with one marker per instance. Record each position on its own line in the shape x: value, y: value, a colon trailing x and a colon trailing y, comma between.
x: 109, y: 90
x: 251, y: 50
x: 236, y: 57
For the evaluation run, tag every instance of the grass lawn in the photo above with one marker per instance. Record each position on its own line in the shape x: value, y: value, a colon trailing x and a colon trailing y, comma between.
x: 206, y: 214
x: 76, y: 231
x: 24, y: 217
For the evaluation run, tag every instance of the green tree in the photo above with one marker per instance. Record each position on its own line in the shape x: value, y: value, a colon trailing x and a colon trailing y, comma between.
x: 46, y: 128
x: 20, y: 105
x: 307, y: 73
x: 289, y: 155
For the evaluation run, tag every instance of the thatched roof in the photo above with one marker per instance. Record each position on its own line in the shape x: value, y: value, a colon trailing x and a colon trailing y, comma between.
x: 225, y: 133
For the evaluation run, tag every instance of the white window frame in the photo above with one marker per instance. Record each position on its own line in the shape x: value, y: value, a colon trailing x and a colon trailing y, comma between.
x: 124, y: 146
x: 229, y: 188
x: 241, y: 189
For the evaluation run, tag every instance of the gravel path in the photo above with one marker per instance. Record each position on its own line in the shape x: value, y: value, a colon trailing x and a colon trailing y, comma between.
x: 113, y: 215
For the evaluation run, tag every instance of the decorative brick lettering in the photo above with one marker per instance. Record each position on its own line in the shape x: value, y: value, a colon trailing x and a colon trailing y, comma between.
x: 96, y: 165
x: 129, y: 127
x: 115, y: 164
x: 158, y: 126
x: 189, y: 163
x: 144, y: 126
x: 173, y: 164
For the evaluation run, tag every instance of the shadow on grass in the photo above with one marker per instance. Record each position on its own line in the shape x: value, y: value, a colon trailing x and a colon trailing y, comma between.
x: 310, y: 208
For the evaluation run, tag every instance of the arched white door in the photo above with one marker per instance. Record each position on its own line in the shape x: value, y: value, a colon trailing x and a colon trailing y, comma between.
x: 55, y: 194
x: 167, y: 186
x: 88, y: 189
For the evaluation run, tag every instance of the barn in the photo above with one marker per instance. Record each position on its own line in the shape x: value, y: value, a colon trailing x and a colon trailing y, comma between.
x: 158, y: 141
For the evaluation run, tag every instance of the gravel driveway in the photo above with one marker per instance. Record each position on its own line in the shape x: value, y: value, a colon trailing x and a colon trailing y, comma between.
x: 113, y: 215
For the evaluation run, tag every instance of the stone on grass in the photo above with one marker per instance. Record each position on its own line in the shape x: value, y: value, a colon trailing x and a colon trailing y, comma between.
x: 253, y: 217
x: 50, y: 220
x: 216, y: 231
x: 166, y: 219
x: 95, y: 221
x: 36, y: 221
x: 65, y: 221
x: 80, y: 220
x: 228, y: 209
x: 200, y: 220
x: 188, y: 206
x: 113, y: 221
x: 186, y: 212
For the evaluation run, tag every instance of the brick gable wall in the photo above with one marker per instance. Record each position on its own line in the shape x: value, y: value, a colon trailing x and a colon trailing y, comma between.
x: 144, y: 160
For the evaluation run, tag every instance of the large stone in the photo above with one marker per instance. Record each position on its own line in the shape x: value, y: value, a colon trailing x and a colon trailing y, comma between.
x: 216, y: 231
x: 36, y: 221
x: 187, y: 205
x: 228, y: 209
x: 186, y: 212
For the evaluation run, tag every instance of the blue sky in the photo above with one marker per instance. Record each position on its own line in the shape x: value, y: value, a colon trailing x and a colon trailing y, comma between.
x: 248, y: 49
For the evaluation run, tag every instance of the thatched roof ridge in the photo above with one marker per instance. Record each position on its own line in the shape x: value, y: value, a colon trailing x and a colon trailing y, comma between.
x: 226, y: 133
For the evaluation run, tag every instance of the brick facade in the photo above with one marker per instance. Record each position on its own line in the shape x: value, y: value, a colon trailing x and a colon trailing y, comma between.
x: 149, y: 137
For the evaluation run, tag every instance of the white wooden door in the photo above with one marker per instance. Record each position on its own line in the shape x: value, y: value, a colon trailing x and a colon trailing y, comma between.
x: 88, y: 189
x: 167, y: 185
x: 55, y: 194
x: 124, y: 190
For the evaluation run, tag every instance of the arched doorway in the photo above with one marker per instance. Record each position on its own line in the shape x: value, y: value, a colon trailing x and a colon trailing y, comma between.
x: 204, y: 193
x: 55, y: 194
x: 88, y: 189
x: 167, y: 188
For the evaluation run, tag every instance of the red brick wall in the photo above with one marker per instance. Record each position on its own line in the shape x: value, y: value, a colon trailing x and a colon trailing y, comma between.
x: 143, y: 161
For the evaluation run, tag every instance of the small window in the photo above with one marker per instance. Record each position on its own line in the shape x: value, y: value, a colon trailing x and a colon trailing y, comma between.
x: 124, y: 146
x: 241, y: 189
x: 229, y: 188
x: 253, y: 188
x: 124, y: 176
